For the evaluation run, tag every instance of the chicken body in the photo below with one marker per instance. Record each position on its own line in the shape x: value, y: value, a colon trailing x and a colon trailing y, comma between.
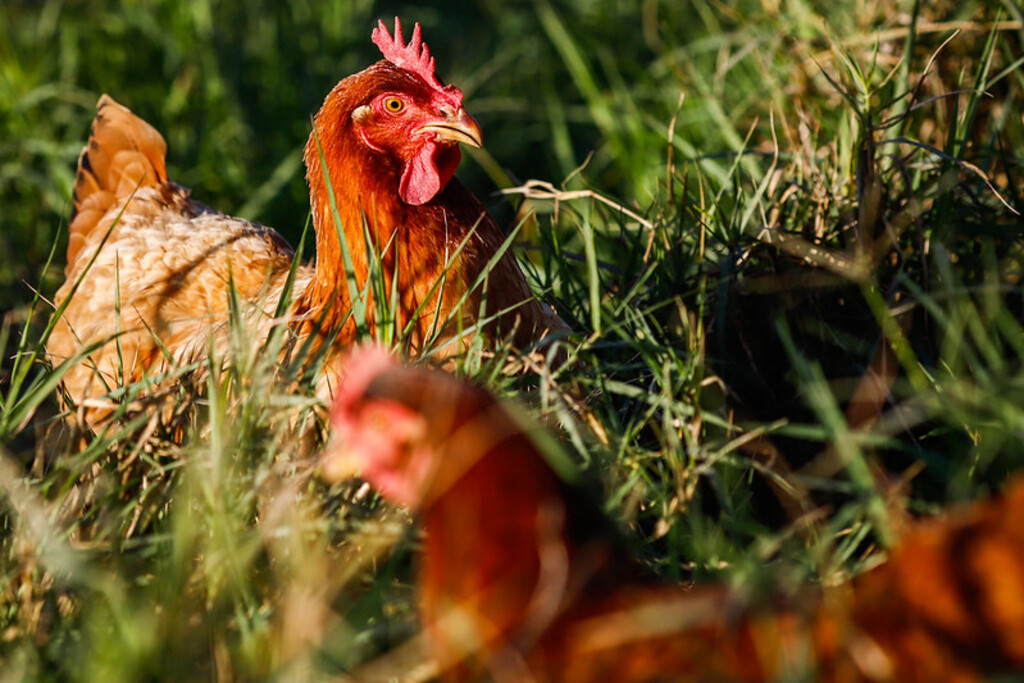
x: 150, y: 269
x: 522, y: 578
x: 159, y: 287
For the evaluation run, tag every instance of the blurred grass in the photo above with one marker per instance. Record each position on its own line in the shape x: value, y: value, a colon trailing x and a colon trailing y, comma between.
x: 782, y: 207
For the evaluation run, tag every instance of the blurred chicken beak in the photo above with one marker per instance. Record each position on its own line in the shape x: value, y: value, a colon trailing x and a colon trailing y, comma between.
x: 457, y: 127
x: 338, y: 465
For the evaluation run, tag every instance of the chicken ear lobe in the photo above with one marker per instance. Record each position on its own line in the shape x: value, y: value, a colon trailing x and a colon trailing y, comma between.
x: 428, y: 172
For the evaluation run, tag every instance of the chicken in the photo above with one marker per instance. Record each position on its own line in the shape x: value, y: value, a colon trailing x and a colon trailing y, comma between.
x: 522, y: 578
x: 520, y: 568
x: 150, y: 268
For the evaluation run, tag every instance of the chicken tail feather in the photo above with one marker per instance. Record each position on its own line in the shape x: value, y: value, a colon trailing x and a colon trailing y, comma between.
x: 124, y: 153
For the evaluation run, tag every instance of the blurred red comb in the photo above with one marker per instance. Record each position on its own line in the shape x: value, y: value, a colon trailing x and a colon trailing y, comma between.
x: 363, y: 365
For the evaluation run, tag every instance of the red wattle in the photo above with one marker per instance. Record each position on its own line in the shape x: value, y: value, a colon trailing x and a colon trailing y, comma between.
x: 428, y: 172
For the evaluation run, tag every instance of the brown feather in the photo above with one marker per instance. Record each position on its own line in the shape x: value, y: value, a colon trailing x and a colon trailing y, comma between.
x: 124, y: 153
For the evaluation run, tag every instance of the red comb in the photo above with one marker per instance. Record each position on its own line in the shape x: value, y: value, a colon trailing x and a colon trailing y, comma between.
x: 414, y: 57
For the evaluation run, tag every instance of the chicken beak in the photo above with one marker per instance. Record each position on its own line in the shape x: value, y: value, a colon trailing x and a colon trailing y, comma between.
x: 338, y: 465
x: 457, y: 127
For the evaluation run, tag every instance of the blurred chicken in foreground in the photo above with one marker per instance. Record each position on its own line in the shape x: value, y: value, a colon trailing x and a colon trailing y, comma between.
x: 522, y: 577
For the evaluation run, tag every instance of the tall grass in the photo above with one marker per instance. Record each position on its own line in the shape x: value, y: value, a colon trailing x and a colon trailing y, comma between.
x: 790, y: 244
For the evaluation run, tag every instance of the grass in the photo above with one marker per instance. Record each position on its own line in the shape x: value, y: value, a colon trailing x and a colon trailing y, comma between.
x: 791, y: 245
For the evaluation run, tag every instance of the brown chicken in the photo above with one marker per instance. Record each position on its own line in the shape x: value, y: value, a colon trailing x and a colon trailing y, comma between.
x: 523, y: 579
x: 150, y: 267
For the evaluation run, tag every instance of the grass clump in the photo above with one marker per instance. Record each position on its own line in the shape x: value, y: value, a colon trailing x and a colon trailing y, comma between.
x: 791, y: 246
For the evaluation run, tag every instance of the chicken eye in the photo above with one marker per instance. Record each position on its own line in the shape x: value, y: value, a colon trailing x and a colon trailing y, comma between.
x: 394, y: 105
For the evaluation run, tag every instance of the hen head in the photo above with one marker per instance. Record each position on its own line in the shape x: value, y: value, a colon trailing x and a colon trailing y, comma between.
x: 379, y: 438
x: 397, y: 115
x: 409, y: 432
